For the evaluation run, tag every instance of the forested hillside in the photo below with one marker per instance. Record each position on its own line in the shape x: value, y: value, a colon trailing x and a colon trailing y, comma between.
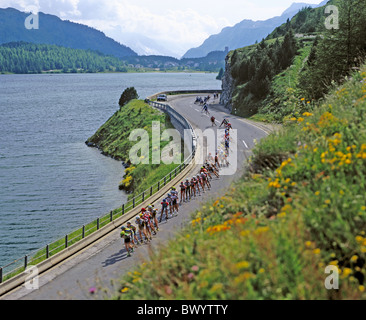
x: 25, y: 58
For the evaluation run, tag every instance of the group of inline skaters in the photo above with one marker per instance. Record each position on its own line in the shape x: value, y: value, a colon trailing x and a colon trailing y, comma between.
x: 147, y: 222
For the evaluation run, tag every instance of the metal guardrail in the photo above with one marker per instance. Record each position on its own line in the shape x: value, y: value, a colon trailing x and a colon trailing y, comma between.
x: 36, y: 257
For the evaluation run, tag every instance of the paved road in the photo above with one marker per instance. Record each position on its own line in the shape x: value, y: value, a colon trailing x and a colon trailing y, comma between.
x: 102, y: 264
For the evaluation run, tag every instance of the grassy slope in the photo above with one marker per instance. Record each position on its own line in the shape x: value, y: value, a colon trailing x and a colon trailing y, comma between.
x: 113, y: 139
x: 271, y: 236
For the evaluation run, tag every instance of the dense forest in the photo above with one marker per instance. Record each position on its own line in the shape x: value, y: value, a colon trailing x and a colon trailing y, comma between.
x: 21, y: 57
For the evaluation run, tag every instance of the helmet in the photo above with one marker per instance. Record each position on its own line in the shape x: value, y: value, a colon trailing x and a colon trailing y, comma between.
x: 143, y: 209
x: 150, y: 207
x: 138, y: 218
x: 123, y: 228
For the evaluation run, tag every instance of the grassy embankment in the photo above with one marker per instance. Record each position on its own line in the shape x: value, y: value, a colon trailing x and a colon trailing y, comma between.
x: 301, y: 208
x: 113, y: 140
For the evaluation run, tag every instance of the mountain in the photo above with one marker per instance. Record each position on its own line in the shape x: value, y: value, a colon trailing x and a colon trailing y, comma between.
x: 245, y: 33
x: 52, y: 30
x: 139, y: 43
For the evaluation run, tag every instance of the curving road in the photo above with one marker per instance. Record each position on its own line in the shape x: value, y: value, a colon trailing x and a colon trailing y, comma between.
x: 95, y: 266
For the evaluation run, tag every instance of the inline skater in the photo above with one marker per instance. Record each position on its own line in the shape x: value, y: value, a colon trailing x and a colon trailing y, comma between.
x: 197, y: 184
x: 217, y: 163
x: 193, y: 186
x: 182, y: 192
x: 134, y: 239
x: 126, y: 235
x: 200, y: 180
x: 153, y: 213
x: 164, y: 208
x: 213, y: 121
x: 148, y: 223
x: 205, y: 181
x: 227, y: 146
x: 170, y: 201
x: 188, y: 190
x: 141, y: 227
x: 175, y: 204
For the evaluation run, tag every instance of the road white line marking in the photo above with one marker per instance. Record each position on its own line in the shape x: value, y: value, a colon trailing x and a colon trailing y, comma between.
x: 245, y: 144
x: 197, y: 110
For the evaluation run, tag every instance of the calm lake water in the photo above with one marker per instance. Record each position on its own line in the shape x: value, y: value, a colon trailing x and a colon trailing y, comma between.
x: 51, y: 183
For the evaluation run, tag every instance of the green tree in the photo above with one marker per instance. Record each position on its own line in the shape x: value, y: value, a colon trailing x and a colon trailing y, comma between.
x: 338, y: 51
x: 128, y: 95
x: 221, y: 74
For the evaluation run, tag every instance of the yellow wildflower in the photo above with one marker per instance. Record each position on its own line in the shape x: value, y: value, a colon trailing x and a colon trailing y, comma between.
x: 347, y: 272
x: 242, y: 265
x: 308, y: 244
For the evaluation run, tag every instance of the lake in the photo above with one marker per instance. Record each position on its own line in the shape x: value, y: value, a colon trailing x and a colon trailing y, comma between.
x: 51, y: 183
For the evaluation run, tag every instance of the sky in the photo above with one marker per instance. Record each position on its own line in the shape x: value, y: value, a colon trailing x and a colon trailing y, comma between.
x: 175, y: 24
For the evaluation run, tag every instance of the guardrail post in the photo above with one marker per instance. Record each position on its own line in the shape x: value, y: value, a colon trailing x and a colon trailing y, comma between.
x: 1, y: 275
x: 25, y: 262
x: 111, y: 216
x: 151, y: 191
x: 143, y: 196
x: 47, y: 251
x: 123, y: 209
x: 83, y: 232
x: 133, y: 203
x: 98, y: 223
x: 66, y: 241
